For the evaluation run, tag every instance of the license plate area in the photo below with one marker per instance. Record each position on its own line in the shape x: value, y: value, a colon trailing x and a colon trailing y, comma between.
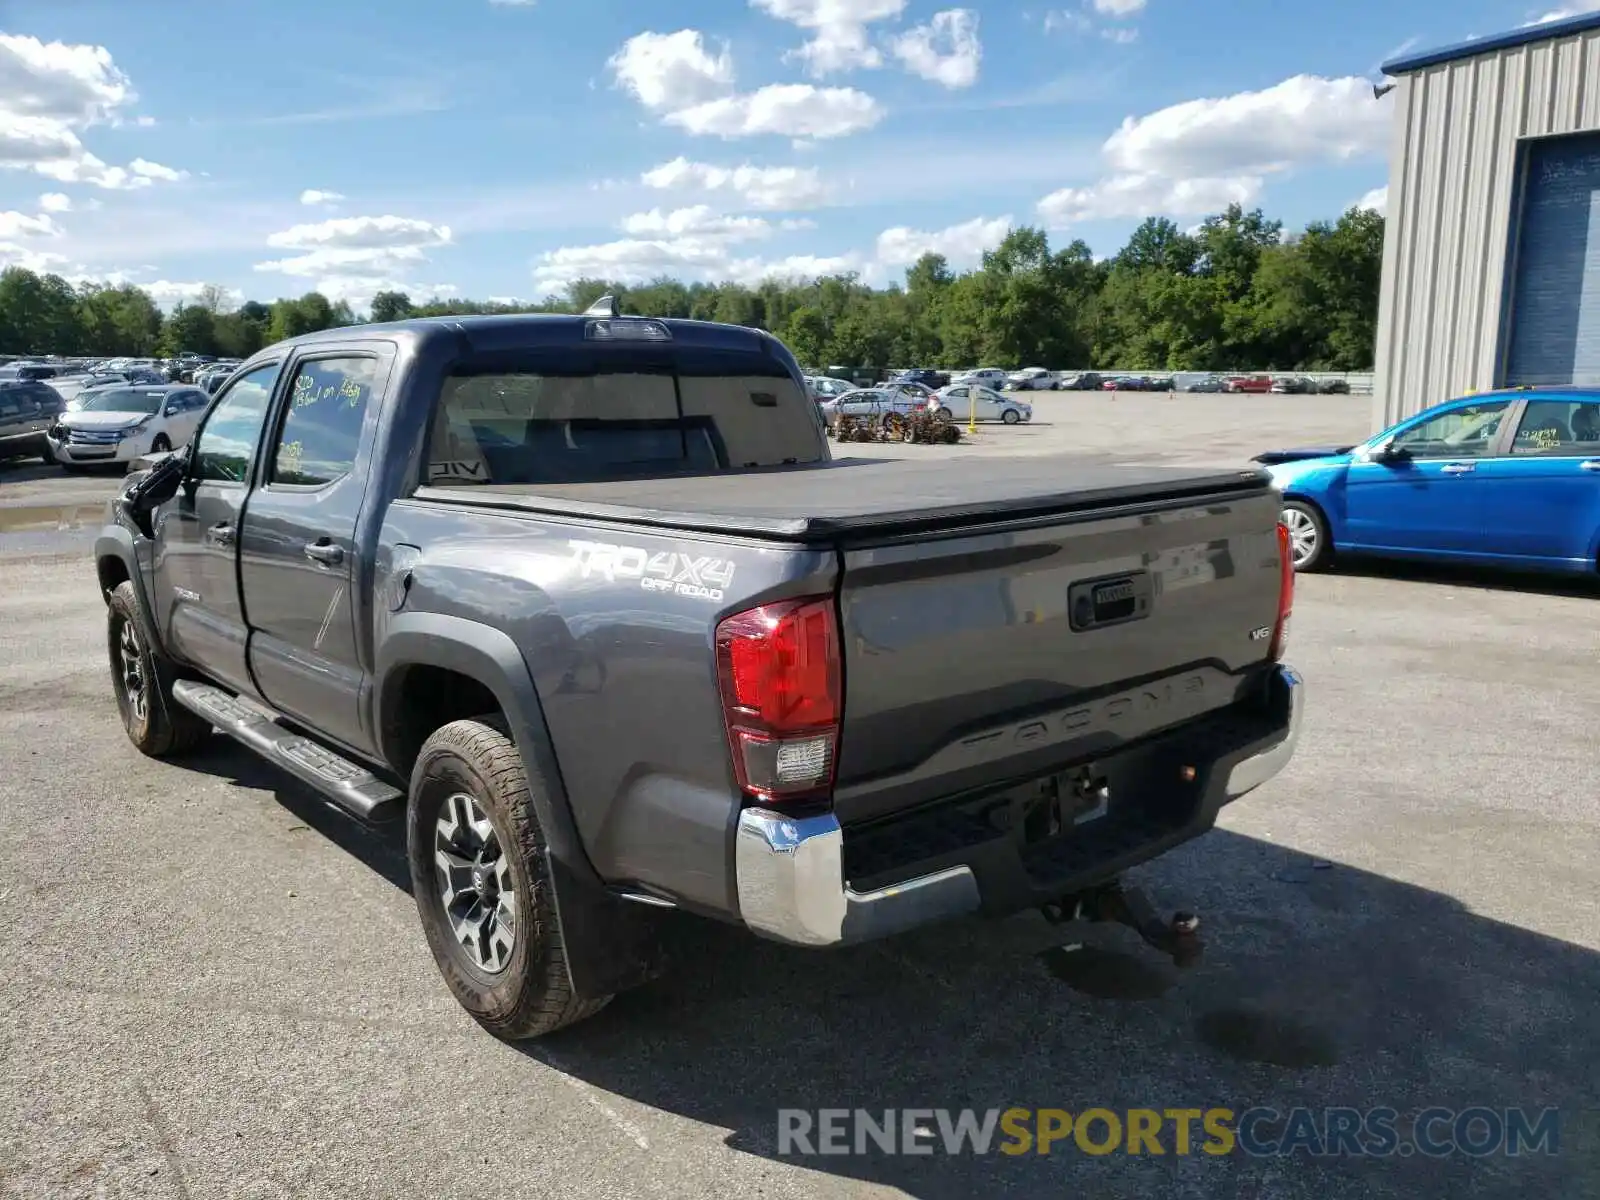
x: 1109, y: 600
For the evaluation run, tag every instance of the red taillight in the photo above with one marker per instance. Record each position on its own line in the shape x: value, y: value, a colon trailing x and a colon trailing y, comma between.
x: 1280, y: 631
x: 782, y: 697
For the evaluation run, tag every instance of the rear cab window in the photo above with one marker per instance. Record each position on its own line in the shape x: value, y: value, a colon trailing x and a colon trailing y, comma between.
x: 555, y: 416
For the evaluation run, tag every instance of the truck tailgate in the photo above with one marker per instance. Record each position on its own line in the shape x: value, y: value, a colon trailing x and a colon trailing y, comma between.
x: 1010, y: 653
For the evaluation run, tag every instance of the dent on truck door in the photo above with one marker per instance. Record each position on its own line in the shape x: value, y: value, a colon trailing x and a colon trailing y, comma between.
x: 298, y: 551
x: 196, y: 594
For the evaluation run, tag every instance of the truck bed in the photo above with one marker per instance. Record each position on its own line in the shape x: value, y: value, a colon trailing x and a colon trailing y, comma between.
x: 851, y: 498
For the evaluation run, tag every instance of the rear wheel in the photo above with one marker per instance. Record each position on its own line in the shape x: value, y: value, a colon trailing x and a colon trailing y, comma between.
x: 142, y: 677
x: 1310, y: 546
x: 945, y: 414
x: 479, y: 874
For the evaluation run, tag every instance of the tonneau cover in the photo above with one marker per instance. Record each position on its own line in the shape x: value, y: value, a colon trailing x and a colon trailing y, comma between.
x: 854, y: 497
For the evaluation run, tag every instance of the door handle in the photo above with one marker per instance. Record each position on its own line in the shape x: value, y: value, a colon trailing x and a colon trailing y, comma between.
x: 220, y: 535
x: 1592, y: 464
x: 325, y: 553
x: 1458, y: 468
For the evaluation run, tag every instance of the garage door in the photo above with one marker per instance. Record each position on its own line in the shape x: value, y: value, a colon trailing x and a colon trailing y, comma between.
x: 1555, y: 300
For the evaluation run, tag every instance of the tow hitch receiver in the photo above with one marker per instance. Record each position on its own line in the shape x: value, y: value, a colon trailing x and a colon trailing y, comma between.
x: 1178, y: 938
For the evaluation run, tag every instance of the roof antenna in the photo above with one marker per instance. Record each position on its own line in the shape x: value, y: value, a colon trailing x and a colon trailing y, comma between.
x: 606, y: 306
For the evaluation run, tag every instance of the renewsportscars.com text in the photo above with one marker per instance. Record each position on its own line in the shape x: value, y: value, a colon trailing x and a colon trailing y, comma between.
x: 1258, y: 1132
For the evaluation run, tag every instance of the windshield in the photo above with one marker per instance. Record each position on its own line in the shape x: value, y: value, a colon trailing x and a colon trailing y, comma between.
x: 123, y: 400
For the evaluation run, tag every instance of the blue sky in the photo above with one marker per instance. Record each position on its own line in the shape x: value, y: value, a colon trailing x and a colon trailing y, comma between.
x: 497, y: 149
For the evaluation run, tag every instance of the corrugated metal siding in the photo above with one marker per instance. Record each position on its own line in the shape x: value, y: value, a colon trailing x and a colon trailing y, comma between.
x: 1452, y: 168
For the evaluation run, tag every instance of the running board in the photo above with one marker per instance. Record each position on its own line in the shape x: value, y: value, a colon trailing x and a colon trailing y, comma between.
x: 353, y: 788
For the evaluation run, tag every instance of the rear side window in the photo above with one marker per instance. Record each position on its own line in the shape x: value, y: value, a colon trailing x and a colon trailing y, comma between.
x: 577, y: 422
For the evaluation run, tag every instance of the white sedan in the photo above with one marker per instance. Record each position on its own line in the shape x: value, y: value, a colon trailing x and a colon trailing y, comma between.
x: 118, y: 425
x: 961, y: 402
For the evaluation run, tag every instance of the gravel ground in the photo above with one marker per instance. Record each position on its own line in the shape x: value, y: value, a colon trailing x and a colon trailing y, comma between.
x: 214, y: 986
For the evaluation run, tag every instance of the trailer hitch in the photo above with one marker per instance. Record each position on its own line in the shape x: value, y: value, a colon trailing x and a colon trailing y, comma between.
x: 1178, y: 938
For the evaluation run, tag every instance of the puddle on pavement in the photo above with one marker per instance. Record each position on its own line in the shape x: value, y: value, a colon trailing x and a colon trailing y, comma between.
x: 1107, y: 974
x: 50, y: 518
x: 1261, y: 1037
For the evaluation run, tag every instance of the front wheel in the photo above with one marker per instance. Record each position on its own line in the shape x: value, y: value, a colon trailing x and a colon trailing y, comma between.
x: 141, y: 678
x: 1011, y: 416
x: 482, y: 885
x: 1310, y: 547
x: 160, y: 445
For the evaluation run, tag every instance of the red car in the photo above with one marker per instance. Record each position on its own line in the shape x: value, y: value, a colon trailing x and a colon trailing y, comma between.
x: 1259, y: 384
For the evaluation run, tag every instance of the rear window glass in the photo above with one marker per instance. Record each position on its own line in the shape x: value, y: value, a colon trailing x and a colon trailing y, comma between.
x: 553, y: 422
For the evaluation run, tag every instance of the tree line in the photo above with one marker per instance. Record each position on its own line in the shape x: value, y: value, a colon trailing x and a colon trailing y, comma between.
x: 1234, y: 292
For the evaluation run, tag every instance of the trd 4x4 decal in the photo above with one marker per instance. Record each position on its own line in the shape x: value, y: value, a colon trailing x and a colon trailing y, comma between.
x: 665, y: 571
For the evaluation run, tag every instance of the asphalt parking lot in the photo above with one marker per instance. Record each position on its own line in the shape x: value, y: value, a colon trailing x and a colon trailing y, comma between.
x: 213, y: 986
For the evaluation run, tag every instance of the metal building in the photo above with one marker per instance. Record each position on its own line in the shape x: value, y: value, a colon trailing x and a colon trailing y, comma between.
x: 1491, y: 254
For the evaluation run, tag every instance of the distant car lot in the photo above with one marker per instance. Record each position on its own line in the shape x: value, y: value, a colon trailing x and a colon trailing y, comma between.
x: 1406, y: 917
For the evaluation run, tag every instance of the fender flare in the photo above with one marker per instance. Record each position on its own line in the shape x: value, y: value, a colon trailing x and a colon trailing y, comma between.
x: 114, y: 541
x: 610, y: 943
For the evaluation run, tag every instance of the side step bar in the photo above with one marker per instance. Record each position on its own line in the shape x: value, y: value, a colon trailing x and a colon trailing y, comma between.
x: 353, y: 788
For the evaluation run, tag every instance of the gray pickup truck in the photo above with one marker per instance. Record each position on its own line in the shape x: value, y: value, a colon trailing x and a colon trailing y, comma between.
x: 587, y: 602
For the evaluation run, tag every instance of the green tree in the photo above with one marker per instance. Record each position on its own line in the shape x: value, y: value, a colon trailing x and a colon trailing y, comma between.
x: 192, y: 328
x: 391, y: 306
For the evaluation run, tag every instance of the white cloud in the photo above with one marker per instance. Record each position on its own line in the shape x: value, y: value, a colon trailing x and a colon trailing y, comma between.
x: 15, y: 225
x: 50, y: 93
x: 14, y: 254
x: 795, y: 110
x: 1065, y: 18
x: 1118, y: 8
x: 1202, y: 155
x: 705, y: 250
x: 963, y: 243
x: 1560, y: 14
x: 639, y: 260
x: 55, y: 202
x: 670, y: 71
x: 783, y: 188
x: 1122, y: 37
x: 353, y: 258
x: 314, y: 197
x: 1139, y: 196
x: 1377, y: 200
x: 169, y: 294
x: 1302, y: 120
x: 698, y: 221
x: 946, y: 50
x: 840, y: 39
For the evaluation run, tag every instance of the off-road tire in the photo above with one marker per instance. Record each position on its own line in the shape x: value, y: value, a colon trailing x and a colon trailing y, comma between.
x: 163, y: 728
x: 532, y: 995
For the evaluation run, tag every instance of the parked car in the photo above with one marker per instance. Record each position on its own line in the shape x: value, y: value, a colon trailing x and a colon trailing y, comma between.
x: 823, y: 388
x: 989, y: 377
x: 27, y: 410
x: 1293, y: 385
x: 73, y: 387
x: 121, y: 424
x: 1031, y: 379
x: 1082, y: 381
x: 919, y: 393
x: 960, y: 401
x: 1160, y: 383
x: 1506, y: 479
x: 870, y: 402
x: 28, y: 372
x: 678, y: 684
x: 1335, y: 387
x: 1211, y: 383
x: 1253, y: 384
x: 928, y: 377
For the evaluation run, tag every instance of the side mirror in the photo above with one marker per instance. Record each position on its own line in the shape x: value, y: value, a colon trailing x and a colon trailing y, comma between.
x: 1388, y: 452
x: 170, y: 411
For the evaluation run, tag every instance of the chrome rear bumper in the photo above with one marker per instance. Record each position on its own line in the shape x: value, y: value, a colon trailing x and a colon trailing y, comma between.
x: 790, y: 870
